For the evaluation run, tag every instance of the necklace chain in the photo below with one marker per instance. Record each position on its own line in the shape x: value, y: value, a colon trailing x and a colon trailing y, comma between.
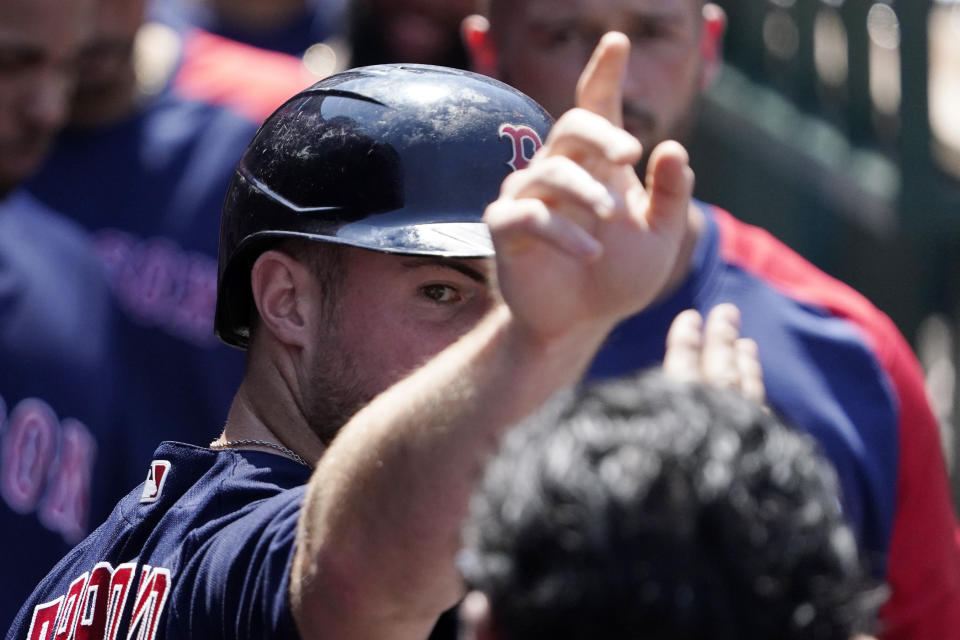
x: 293, y: 455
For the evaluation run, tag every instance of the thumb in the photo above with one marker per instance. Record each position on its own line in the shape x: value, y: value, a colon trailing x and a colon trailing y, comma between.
x: 669, y: 185
x: 600, y: 87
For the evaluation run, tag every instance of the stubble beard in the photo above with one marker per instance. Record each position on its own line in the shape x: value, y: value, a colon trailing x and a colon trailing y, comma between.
x: 336, y: 388
x: 681, y: 131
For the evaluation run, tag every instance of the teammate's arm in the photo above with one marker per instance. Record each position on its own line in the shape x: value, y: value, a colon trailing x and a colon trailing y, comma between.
x: 380, y: 522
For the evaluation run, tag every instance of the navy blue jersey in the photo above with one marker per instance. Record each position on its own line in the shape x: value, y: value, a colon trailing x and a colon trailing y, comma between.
x: 56, y: 393
x: 837, y: 368
x: 146, y: 192
x: 202, y: 549
x: 149, y: 190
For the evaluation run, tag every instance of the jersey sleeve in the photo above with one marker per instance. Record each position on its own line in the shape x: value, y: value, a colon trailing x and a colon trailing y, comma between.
x: 924, y: 559
x: 228, y: 73
x: 237, y: 584
x: 923, y: 553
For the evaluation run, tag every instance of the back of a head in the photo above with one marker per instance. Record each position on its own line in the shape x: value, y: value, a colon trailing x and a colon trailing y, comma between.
x: 663, y: 511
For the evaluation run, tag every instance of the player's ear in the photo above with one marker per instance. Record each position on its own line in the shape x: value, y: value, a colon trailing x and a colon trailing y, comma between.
x: 711, y: 43
x: 283, y: 291
x: 479, y: 43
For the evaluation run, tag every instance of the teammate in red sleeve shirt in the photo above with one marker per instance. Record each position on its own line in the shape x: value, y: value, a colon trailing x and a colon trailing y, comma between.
x: 835, y: 365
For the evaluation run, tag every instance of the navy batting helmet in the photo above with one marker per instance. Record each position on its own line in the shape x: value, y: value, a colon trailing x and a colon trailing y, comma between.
x: 393, y: 158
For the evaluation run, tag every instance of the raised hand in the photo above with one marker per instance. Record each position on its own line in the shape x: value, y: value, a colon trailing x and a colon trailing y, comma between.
x: 714, y: 353
x: 579, y: 240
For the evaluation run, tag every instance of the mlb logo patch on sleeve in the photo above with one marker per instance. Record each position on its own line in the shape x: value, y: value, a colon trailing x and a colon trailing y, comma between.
x: 156, y: 477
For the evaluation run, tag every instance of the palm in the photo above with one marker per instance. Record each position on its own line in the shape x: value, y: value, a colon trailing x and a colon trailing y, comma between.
x: 579, y: 241
x: 566, y: 291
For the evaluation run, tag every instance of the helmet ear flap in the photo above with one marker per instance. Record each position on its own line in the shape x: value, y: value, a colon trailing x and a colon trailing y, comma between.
x: 393, y: 158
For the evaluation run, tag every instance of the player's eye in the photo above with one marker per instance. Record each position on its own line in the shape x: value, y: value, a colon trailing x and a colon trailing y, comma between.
x: 441, y: 293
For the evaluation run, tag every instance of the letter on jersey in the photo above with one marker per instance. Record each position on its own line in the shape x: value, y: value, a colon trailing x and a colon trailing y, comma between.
x: 151, y: 597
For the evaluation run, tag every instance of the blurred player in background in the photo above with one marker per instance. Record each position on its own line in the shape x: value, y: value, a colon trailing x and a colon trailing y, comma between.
x: 286, y: 26
x: 140, y: 176
x: 56, y: 322
x: 356, y: 32
x: 143, y: 166
x: 422, y: 31
x: 836, y: 366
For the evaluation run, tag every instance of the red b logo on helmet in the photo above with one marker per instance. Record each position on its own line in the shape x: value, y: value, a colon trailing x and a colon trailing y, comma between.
x: 518, y: 134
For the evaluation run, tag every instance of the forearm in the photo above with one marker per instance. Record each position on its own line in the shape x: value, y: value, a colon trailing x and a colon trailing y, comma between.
x: 380, y: 525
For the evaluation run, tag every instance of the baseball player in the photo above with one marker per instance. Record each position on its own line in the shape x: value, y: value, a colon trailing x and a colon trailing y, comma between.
x: 141, y: 186
x: 145, y: 174
x: 836, y: 366
x: 143, y: 168
x: 56, y: 316
x: 57, y: 396
x: 152, y: 168
x: 351, y: 252
x: 153, y: 160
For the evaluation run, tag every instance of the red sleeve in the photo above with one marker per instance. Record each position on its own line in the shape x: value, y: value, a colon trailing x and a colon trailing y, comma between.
x: 250, y: 80
x: 923, y: 563
x: 923, y: 568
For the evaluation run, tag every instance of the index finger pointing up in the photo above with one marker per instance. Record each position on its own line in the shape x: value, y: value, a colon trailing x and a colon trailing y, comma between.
x: 600, y: 88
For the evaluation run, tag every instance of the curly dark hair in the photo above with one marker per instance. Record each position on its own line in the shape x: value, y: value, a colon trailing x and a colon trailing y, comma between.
x: 651, y: 509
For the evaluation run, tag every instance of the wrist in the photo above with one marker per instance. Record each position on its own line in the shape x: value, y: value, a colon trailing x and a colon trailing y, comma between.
x: 562, y: 356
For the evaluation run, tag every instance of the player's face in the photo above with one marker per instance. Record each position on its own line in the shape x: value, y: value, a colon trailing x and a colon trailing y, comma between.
x: 39, y: 44
x: 106, y: 67
x: 421, y: 30
x: 544, y: 44
x: 394, y: 313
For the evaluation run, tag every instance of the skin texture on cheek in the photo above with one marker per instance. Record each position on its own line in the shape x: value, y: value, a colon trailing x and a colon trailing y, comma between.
x: 355, y: 361
x: 381, y: 330
x: 335, y: 389
x: 542, y: 47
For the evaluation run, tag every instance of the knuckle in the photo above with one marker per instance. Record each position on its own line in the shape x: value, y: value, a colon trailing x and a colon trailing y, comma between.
x: 495, y: 213
x: 570, y: 120
x: 686, y: 337
x: 514, y: 182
